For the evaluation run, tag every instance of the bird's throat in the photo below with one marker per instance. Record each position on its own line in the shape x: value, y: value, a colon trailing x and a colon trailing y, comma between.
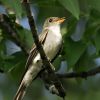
x: 55, y: 29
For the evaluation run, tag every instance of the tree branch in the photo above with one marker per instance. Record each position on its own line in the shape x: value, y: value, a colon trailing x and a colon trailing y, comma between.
x: 6, y: 26
x: 12, y: 32
x: 84, y: 74
x: 46, y: 63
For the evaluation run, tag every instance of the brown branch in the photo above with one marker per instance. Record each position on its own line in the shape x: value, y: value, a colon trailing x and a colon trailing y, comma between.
x: 46, y: 63
x: 84, y: 74
x: 48, y: 75
x: 12, y: 32
x: 6, y: 26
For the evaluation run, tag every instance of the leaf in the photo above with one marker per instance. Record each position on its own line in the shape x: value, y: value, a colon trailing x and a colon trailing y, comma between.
x: 10, y: 62
x: 42, y: 3
x: 95, y: 15
x: 85, y: 62
x: 73, y: 51
x: 25, y: 37
x: 94, y: 4
x: 18, y: 70
x: 57, y: 62
x: 72, y: 6
x: 2, y: 53
x: 15, y: 5
x: 16, y: 65
x: 97, y: 42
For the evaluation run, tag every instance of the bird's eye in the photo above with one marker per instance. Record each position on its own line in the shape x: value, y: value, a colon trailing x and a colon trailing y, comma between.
x: 50, y: 20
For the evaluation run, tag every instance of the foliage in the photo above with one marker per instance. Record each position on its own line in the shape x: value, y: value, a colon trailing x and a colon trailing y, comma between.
x: 80, y: 34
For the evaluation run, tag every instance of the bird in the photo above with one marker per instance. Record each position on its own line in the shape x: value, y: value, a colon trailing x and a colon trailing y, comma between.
x: 51, y: 40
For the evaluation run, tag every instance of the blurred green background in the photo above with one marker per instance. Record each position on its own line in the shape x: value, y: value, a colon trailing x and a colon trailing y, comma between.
x: 81, y: 48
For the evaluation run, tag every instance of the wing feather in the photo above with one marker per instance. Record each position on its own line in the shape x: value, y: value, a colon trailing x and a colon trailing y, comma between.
x: 33, y: 52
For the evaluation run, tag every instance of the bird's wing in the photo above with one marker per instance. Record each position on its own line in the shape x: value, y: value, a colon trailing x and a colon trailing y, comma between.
x: 32, y: 55
x: 33, y: 52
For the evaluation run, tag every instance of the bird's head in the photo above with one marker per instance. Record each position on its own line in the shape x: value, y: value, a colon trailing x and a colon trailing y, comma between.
x: 53, y: 21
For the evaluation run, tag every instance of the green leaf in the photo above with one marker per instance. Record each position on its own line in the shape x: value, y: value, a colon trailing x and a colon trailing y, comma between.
x: 73, y: 51
x: 15, y: 5
x: 2, y: 47
x: 11, y: 62
x: 94, y: 4
x: 85, y: 62
x: 97, y: 42
x: 2, y: 53
x: 16, y: 65
x: 72, y: 6
x: 57, y: 62
x: 42, y: 3
x: 95, y: 15
x: 25, y: 37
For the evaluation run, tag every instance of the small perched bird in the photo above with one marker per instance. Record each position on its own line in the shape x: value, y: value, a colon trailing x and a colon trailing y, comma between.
x: 51, y: 40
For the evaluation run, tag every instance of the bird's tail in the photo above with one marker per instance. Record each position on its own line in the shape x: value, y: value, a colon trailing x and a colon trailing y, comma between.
x: 27, y: 78
x: 21, y: 92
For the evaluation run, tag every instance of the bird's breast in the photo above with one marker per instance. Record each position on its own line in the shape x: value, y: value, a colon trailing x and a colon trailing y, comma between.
x: 52, y: 44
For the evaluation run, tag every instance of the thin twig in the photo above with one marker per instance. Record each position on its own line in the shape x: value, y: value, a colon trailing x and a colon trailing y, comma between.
x: 13, y: 33
x: 6, y: 26
x: 84, y: 74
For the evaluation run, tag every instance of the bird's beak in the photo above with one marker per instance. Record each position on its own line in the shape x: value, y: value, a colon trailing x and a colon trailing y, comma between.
x: 60, y: 20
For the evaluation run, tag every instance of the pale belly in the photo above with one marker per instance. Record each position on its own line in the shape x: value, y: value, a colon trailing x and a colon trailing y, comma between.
x: 52, y: 48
